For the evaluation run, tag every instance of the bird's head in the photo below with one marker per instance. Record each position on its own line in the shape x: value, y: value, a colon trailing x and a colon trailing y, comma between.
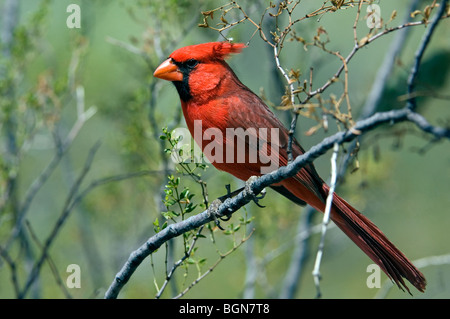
x: 197, y: 68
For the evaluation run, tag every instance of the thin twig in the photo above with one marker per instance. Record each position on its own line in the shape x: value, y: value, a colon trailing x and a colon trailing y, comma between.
x: 12, y: 265
x: 219, y: 260
x: 50, y: 261
x: 179, y: 262
x: 376, y: 92
x: 358, y: 12
x: 292, y: 101
x: 353, y: 52
x: 326, y: 219
x: 127, y: 46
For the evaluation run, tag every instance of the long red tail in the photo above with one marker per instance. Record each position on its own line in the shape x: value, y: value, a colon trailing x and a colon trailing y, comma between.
x: 375, y: 244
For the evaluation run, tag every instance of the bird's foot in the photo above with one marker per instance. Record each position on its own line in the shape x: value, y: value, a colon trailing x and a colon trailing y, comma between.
x: 213, y: 209
x: 214, y: 206
x: 248, y: 191
x: 229, y: 194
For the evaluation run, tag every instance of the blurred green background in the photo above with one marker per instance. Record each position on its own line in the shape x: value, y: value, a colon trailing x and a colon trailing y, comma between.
x: 120, y: 43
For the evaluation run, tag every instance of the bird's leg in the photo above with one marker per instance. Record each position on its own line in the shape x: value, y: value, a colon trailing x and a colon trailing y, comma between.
x: 229, y: 195
x: 214, y: 206
x: 248, y: 191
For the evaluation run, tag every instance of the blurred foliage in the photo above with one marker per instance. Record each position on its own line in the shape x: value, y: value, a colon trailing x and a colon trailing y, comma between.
x: 112, y: 57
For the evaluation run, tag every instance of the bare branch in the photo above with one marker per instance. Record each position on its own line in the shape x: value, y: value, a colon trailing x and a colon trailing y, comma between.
x: 12, y: 265
x: 420, y: 51
x: 179, y: 262
x: 221, y: 257
x: 326, y: 219
x: 127, y: 46
x: 292, y: 101
x: 51, y: 263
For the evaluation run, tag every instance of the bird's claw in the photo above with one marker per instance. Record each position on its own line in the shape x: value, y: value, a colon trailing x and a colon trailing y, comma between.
x: 248, y: 190
x: 229, y: 194
x: 213, y: 210
x: 225, y: 218
x: 220, y: 200
x: 214, y: 206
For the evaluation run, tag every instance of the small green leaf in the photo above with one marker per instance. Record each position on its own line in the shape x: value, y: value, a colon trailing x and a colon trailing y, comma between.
x: 156, y: 227
x: 169, y: 215
x: 190, y: 207
x: 185, y: 193
x: 170, y: 202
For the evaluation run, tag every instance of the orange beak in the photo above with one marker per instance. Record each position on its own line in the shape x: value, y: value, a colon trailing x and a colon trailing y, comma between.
x: 168, y: 71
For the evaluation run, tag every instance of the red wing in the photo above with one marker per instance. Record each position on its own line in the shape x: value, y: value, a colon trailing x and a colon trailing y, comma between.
x: 259, y: 118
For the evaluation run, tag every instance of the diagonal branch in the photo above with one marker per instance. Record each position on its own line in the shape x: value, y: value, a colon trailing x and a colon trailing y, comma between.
x: 230, y: 205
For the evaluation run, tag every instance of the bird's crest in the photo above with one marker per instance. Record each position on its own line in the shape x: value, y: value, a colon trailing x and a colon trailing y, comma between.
x: 207, y: 51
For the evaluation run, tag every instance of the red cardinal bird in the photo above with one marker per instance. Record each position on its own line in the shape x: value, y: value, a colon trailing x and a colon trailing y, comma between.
x: 214, y: 101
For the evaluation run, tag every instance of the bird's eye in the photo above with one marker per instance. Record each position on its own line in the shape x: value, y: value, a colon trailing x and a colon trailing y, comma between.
x: 191, y: 63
